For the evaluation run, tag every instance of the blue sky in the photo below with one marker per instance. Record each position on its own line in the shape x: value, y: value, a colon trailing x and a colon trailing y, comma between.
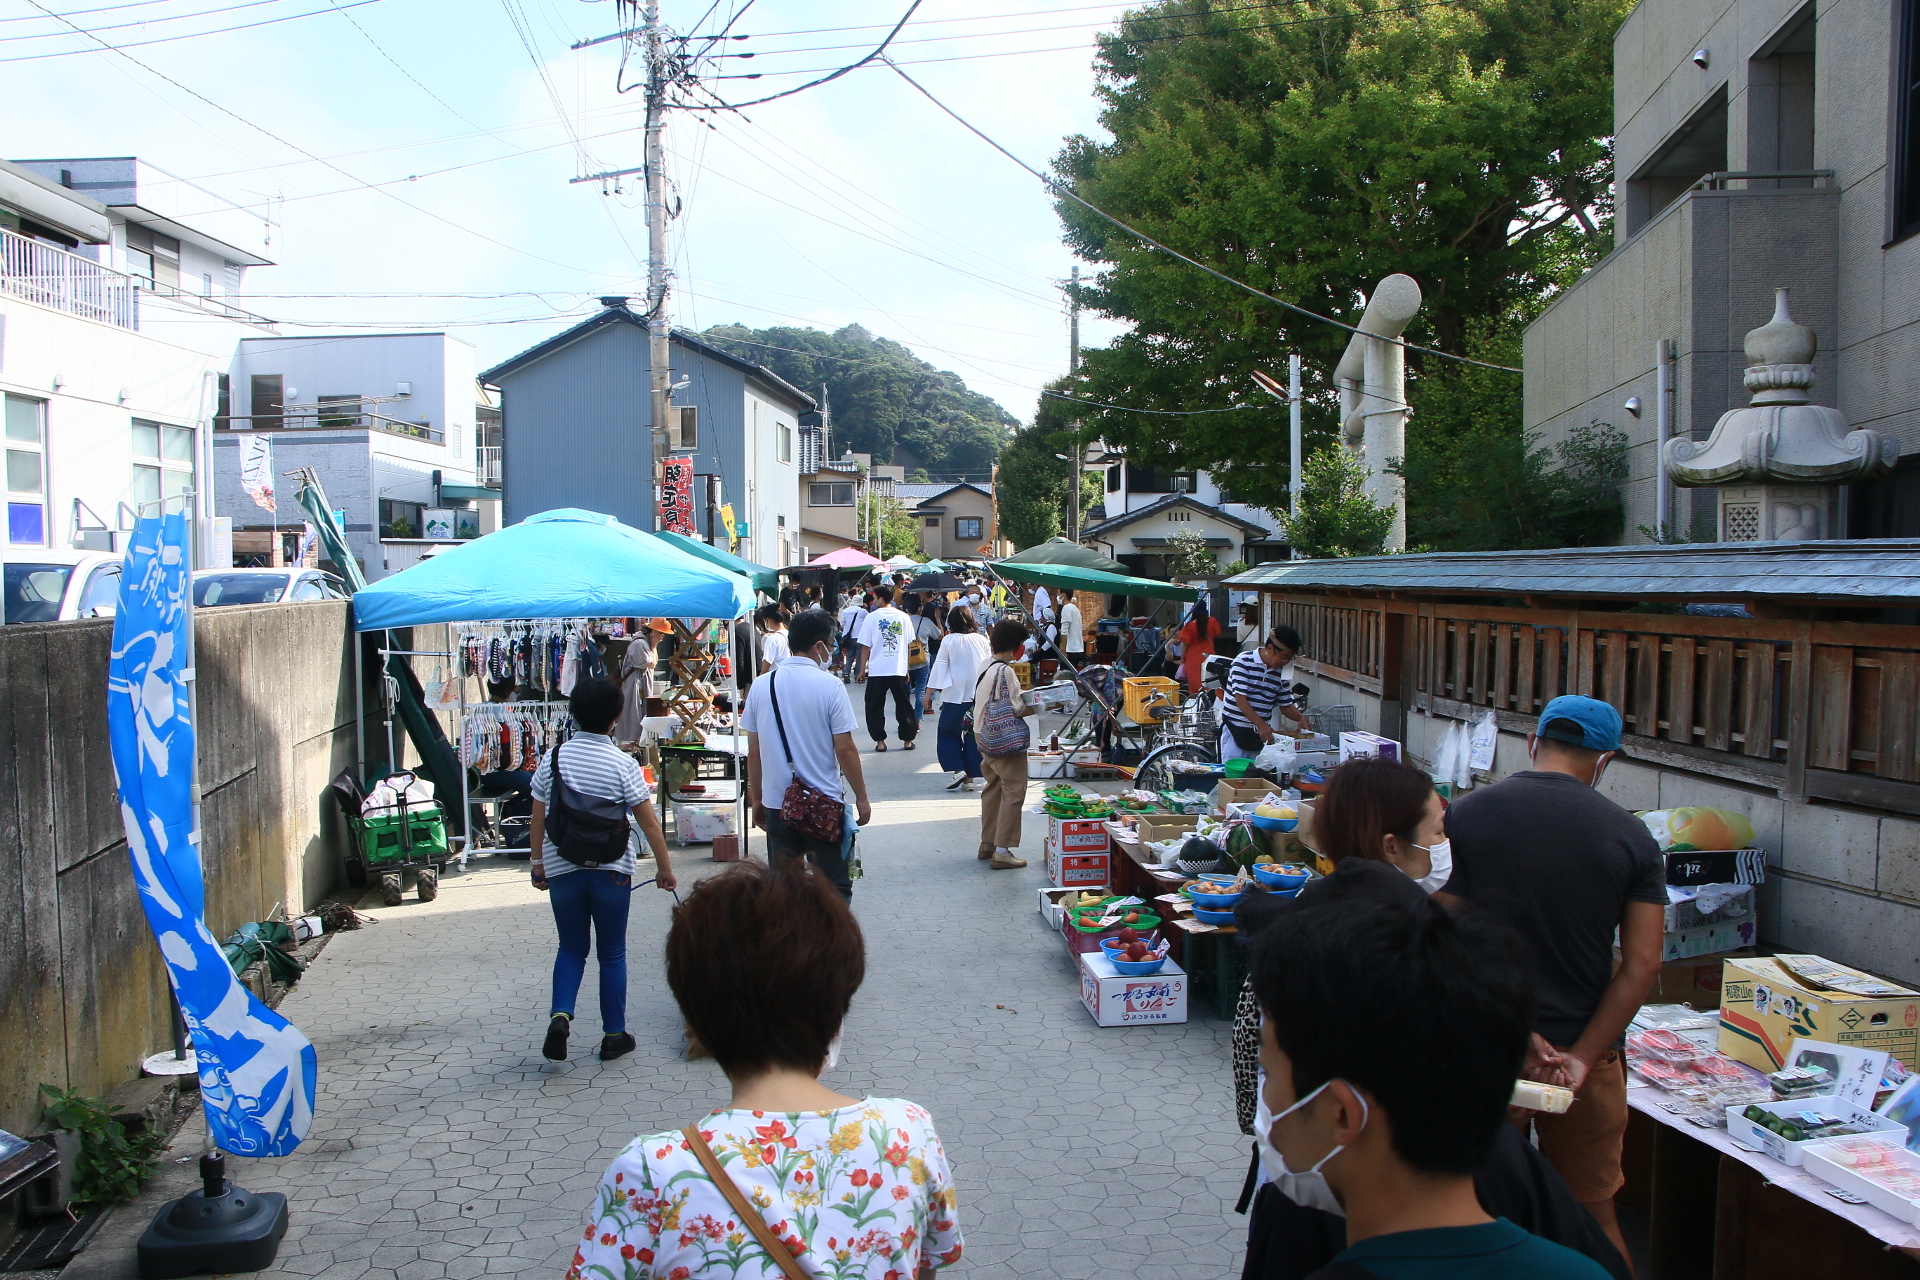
x: 856, y: 201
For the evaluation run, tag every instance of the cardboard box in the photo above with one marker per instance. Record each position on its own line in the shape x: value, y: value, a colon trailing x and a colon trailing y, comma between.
x: 1242, y: 792
x: 1157, y: 828
x: 1687, y: 915
x: 1693, y: 982
x: 1765, y: 1008
x: 1355, y: 742
x: 1078, y: 835
x: 1706, y: 940
x: 1051, y: 911
x: 1078, y: 870
x: 1115, y: 1000
x: 1731, y: 866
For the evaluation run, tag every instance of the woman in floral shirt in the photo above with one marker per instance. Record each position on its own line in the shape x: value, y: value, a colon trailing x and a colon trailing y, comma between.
x: 764, y: 963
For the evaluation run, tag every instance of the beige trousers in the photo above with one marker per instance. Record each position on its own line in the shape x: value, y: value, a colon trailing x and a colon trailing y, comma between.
x: 1000, y: 803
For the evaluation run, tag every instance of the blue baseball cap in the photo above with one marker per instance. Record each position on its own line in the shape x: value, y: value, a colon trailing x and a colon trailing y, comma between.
x: 1599, y: 723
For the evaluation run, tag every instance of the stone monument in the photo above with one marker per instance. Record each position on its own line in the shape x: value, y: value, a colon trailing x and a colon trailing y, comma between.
x: 1780, y: 461
x: 1372, y: 377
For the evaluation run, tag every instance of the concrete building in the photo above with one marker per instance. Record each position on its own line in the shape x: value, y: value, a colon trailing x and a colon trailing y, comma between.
x: 574, y: 431
x: 1759, y: 144
x: 1144, y: 508
x: 118, y: 323
x: 388, y: 423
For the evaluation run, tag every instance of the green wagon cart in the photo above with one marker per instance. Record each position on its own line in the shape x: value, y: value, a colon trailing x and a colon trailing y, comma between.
x: 388, y: 844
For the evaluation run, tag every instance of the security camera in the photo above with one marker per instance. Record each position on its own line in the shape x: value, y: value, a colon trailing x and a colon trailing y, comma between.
x: 1700, y: 59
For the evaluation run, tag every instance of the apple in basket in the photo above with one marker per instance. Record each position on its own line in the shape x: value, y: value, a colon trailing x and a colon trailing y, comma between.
x: 1137, y: 951
x: 1129, y: 935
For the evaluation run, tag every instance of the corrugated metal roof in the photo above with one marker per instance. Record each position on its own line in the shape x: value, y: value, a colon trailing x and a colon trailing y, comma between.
x: 921, y: 492
x: 1881, y: 570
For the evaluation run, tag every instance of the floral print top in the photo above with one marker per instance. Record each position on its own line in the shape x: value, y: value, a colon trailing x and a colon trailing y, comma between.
x: 863, y: 1191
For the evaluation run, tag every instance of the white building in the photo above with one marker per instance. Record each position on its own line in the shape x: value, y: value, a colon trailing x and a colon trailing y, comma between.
x: 118, y: 322
x: 387, y: 423
x: 1144, y: 509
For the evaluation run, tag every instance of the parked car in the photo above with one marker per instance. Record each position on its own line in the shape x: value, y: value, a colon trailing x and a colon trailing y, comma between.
x: 43, y: 584
x: 215, y: 587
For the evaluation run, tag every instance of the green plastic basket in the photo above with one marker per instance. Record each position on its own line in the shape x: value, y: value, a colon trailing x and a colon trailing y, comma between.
x: 418, y: 835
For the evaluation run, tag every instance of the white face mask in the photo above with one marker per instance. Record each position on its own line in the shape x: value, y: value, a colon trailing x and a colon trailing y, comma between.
x: 833, y: 1053
x: 1309, y: 1188
x: 1442, y: 870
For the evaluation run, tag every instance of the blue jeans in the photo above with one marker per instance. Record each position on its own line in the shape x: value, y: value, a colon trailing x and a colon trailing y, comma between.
x: 918, y: 675
x: 958, y: 750
x: 596, y: 902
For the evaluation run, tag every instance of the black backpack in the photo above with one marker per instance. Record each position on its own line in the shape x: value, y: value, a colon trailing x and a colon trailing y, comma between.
x: 589, y: 831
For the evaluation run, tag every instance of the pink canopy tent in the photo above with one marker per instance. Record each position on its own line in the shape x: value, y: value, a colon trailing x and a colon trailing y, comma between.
x: 846, y: 558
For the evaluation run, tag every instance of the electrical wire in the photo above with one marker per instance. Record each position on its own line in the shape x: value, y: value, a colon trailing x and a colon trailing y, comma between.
x: 1061, y: 188
x: 449, y: 107
x: 1037, y: 13
x: 1165, y: 413
x: 192, y: 35
x: 878, y: 51
x: 142, y: 22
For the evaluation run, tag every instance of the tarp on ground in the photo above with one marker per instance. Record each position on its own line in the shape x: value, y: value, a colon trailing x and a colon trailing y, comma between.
x: 764, y: 580
x: 1072, y: 554
x: 567, y: 563
x: 1112, y: 584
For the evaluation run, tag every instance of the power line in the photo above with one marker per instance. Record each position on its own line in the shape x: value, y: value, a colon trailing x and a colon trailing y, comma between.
x: 878, y: 51
x: 1165, y: 413
x: 142, y: 22
x: 415, y: 79
x: 140, y: 44
x: 1067, y: 191
x: 1036, y: 13
x: 76, y: 13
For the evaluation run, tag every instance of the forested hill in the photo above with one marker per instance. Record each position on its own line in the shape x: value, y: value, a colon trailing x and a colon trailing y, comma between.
x: 886, y: 401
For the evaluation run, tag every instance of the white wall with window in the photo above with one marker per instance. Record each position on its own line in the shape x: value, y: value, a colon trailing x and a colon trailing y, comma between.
x: 26, y: 471
x: 773, y: 503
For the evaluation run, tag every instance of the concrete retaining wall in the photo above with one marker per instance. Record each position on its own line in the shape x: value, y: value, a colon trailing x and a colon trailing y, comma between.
x: 82, y: 995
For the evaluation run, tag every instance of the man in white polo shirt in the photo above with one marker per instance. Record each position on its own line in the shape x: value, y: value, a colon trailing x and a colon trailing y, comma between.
x: 817, y: 744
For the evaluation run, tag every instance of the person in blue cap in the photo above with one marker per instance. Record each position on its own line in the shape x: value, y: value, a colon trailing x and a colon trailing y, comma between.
x: 1561, y: 865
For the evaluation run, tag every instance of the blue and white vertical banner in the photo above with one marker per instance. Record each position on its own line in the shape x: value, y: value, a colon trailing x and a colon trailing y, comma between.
x: 256, y: 1069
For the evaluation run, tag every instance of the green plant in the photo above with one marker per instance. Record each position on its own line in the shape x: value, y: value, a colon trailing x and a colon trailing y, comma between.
x: 1238, y: 566
x: 113, y: 1163
x: 1187, y: 555
x: 1336, y: 517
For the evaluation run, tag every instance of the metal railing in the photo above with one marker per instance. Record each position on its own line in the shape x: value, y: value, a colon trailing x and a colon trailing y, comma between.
x: 1718, y: 181
x: 487, y: 464
x: 53, y: 277
x: 340, y: 415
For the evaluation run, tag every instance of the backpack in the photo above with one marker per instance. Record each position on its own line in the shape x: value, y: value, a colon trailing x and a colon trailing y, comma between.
x: 588, y: 831
x: 1003, y: 731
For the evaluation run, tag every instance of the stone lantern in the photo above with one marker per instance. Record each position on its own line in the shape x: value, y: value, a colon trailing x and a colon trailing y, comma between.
x: 1780, y: 461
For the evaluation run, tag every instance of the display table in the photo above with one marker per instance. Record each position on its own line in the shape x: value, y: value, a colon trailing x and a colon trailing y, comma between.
x: 1717, y: 1209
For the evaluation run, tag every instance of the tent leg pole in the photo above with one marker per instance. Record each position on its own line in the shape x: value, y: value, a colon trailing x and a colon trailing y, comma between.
x: 359, y: 706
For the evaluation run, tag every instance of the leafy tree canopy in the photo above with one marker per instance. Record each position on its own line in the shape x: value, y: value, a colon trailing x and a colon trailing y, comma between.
x: 886, y: 401
x: 1031, y: 493
x: 1309, y: 150
x: 1336, y: 517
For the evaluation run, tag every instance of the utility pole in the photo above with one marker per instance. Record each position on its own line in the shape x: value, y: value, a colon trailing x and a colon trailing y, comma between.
x: 1293, y: 435
x: 1073, y: 366
x: 659, y: 355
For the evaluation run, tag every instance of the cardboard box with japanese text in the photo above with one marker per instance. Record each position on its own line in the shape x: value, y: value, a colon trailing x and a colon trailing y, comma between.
x: 1767, y: 1003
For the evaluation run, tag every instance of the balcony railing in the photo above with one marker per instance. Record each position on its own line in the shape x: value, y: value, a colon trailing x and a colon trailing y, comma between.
x: 53, y: 277
x: 342, y: 415
x: 487, y: 464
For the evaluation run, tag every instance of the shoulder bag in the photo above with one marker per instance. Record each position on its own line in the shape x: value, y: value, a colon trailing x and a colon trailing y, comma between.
x: 808, y: 810
x: 589, y: 831
x: 749, y: 1216
x: 1003, y: 730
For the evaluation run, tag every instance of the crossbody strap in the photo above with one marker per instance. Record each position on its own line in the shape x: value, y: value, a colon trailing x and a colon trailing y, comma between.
x: 773, y: 693
x: 749, y: 1216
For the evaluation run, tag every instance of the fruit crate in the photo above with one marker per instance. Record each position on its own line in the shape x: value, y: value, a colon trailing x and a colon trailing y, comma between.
x: 1216, y: 964
x: 1138, y: 691
x: 418, y: 835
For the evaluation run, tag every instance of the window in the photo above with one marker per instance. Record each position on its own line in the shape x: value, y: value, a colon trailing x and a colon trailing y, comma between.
x: 337, y: 419
x: 26, y: 472
x: 933, y: 522
x: 153, y: 257
x: 102, y: 595
x: 401, y: 519
x: 1906, y: 110
x: 33, y: 591
x: 162, y: 461
x: 1114, y: 475
x: 830, y: 495
x: 307, y: 588
x: 269, y: 402
x: 968, y: 528
x: 689, y: 427
x: 785, y: 441
x: 1146, y: 480
x: 223, y: 403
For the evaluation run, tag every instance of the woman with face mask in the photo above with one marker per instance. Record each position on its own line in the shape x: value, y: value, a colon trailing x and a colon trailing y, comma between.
x: 1386, y: 811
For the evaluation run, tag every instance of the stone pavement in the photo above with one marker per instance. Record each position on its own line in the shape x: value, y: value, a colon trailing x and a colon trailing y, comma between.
x: 445, y: 1146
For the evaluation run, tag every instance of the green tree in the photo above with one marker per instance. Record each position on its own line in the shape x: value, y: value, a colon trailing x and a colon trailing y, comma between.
x: 1309, y: 150
x: 1187, y: 555
x: 898, y: 532
x: 1336, y: 517
x: 885, y: 400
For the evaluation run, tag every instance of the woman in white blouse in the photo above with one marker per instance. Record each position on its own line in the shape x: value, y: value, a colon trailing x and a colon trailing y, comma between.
x: 956, y: 670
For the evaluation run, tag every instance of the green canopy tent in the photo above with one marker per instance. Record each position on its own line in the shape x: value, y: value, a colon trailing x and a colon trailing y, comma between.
x: 1072, y: 579
x: 1070, y: 554
x: 766, y: 581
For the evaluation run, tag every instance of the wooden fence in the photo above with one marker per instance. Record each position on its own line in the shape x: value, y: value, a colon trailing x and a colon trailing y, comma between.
x: 1820, y: 708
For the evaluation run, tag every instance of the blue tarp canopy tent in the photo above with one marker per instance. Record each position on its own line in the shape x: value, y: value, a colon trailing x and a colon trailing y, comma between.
x: 567, y: 563
x: 763, y: 579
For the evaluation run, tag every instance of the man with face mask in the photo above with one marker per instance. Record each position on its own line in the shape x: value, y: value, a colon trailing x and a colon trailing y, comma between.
x: 1392, y: 1035
x: 1564, y: 867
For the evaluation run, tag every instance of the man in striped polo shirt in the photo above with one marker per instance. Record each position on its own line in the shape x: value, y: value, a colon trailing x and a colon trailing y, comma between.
x: 1256, y: 686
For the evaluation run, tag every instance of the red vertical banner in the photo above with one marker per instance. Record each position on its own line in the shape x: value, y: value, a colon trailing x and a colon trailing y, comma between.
x: 676, y: 496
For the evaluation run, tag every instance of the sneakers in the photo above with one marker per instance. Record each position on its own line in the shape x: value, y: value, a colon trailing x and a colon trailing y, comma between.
x: 1003, y: 860
x: 972, y: 784
x: 555, y: 1047
x: 615, y: 1046
x: 959, y: 779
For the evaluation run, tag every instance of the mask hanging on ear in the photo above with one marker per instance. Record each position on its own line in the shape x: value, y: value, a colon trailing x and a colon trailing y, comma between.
x: 833, y: 1053
x: 1308, y: 1188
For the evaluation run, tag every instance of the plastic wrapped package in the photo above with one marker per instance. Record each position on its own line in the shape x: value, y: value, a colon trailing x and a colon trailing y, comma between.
x: 1693, y: 828
x: 1674, y: 1017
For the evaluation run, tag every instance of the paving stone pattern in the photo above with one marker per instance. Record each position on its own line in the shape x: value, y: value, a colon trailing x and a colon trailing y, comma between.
x: 445, y: 1146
